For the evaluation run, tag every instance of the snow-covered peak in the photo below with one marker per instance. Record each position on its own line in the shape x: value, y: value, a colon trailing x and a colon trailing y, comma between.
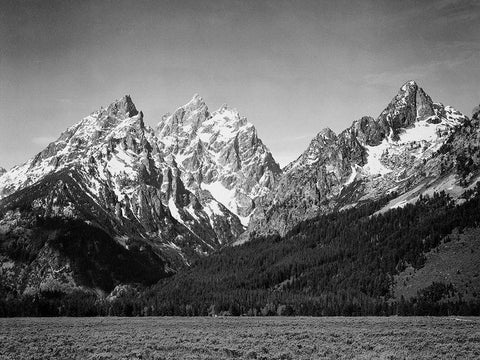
x: 195, y: 103
x: 109, y: 168
x: 91, y: 138
x: 419, y: 141
x: 227, y: 117
x: 227, y: 111
x: 398, y: 151
x: 183, y: 122
x: 219, y: 152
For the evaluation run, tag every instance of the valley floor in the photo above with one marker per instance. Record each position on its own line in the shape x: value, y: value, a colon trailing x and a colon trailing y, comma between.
x: 240, y: 338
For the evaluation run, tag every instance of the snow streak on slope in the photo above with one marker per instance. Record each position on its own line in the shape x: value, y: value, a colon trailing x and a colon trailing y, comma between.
x: 115, y: 162
x: 392, y: 154
x: 219, y: 152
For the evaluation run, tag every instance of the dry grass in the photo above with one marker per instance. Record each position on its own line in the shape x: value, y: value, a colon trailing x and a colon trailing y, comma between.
x: 240, y: 338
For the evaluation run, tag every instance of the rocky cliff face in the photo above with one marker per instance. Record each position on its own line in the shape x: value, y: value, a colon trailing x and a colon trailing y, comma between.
x: 219, y: 153
x: 151, y: 198
x: 400, y: 152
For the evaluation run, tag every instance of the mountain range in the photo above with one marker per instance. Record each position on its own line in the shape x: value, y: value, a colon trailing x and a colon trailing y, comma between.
x: 114, y: 203
x: 396, y: 152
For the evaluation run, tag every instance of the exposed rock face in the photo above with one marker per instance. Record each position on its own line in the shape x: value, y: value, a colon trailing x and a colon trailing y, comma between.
x: 424, y: 105
x: 368, y: 131
x: 122, y: 109
x: 476, y: 113
x: 397, y: 152
x: 110, y: 172
x: 409, y: 105
x: 2, y: 171
x: 219, y: 152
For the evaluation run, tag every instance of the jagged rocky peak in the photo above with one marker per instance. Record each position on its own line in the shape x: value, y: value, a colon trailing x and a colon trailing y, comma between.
x: 229, y: 118
x: 120, y: 122
x: 194, y: 112
x: 195, y: 103
x: 410, y: 107
x: 108, y: 169
x: 228, y: 112
x: 218, y: 152
x: 318, y: 146
x: 185, y: 120
x: 395, y: 152
x: 326, y: 134
x: 2, y: 171
x: 123, y: 108
x: 411, y: 104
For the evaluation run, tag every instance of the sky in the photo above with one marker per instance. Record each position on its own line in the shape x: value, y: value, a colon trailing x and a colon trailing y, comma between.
x: 291, y: 67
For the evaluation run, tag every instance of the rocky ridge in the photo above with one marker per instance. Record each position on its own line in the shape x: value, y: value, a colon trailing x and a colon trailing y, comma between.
x: 114, y: 175
x: 399, y: 152
x: 219, y: 152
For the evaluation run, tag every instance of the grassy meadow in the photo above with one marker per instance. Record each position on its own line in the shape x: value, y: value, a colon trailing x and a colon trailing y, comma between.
x: 240, y: 338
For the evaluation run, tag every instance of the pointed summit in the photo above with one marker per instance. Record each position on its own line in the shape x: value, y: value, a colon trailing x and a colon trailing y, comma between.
x: 411, y: 104
x: 123, y: 108
x: 219, y: 153
x: 196, y: 100
x: 195, y: 104
x: 192, y: 114
x: 327, y: 134
x: 411, y: 84
x: 412, y: 94
x: 410, y: 91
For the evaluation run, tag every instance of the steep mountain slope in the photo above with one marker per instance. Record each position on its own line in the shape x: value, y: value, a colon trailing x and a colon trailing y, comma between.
x: 343, y: 263
x: 108, y: 173
x: 399, y: 152
x: 219, y: 152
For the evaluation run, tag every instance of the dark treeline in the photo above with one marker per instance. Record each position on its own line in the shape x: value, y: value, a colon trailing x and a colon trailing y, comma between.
x: 88, y: 304
x: 337, y: 264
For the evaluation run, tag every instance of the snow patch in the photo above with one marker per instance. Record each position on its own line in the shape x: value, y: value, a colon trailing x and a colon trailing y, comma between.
x: 215, y: 209
x: 352, y: 177
x: 374, y: 165
x: 422, y: 131
x: 222, y: 195
x: 174, y: 211
x: 244, y: 220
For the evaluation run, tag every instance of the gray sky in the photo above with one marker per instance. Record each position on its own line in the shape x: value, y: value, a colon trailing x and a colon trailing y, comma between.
x: 291, y: 67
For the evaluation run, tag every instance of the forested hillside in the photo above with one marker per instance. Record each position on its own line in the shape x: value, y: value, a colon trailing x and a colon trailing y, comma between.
x: 338, y: 264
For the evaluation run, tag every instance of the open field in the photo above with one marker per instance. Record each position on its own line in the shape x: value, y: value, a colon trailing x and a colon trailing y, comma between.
x: 240, y: 338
